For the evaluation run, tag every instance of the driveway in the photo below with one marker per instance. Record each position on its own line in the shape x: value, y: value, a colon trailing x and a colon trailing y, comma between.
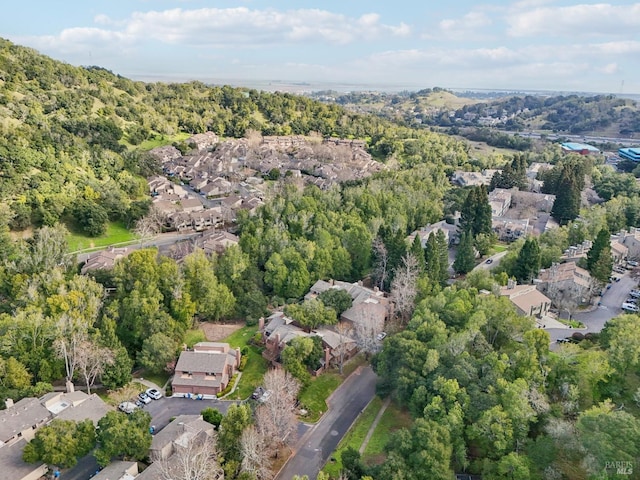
x: 609, y: 308
x: 495, y: 261
x: 346, y: 403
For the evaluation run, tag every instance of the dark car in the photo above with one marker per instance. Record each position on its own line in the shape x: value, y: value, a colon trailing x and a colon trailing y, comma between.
x: 257, y: 393
x: 489, y: 260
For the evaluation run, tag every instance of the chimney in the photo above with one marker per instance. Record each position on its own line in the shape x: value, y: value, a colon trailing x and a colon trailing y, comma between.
x: 327, y: 357
x: 8, y: 403
x: 261, y: 324
x: 238, y: 357
x: 70, y: 387
x: 511, y: 283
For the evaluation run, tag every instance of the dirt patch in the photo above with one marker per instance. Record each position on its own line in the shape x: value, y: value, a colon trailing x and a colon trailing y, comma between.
x: 214, y: 332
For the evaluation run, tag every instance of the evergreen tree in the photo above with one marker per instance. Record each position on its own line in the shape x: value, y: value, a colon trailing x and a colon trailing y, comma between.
x: 528, y: 261
x: 599, y: 260
x: 465, y: 256
x: 567, y: 204
x: 419, y: 252
x: 514, y: 174
x: 475, y: 216
x: 432, y: 259
x: 443, y: 256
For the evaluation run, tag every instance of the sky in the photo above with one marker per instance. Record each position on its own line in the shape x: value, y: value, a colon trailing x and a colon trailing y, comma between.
x: 524, y: 45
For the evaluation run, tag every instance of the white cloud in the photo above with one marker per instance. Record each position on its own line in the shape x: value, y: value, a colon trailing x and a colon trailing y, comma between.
x: 243, y: 26
x: 575, y: 20
x: 471, y: 21
x: 610, y: 68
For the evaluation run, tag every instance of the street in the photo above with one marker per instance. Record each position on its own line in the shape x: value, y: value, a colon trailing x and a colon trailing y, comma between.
x: 346, y: 403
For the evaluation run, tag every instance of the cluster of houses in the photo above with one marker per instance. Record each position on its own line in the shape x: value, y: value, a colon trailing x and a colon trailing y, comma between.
x: 20, y: 421
x: 358, y: 328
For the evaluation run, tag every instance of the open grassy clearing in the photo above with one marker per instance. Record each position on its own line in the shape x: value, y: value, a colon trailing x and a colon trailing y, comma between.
x: 256, y: 365
x: 116, y: 233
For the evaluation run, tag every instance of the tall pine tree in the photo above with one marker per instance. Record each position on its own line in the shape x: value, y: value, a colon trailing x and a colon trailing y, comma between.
x: 528, y: 261
x: 465, y: 256
x: 599, y: 260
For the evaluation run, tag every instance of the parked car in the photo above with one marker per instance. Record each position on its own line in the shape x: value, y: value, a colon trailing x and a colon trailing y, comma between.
x: 632, y: 263
x: 257, y: 393
x: 564, y: 340
x: 127, y: 407
x: 154, y: 393
x: 381, y: 336
x: 630, y: 307
x: 634, y: 293
x: 144, y: 398
x: 632, y: 300
x: 489, y: 260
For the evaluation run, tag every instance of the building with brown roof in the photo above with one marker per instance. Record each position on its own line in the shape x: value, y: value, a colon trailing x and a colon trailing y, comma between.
x: 104, y: 259
x: 564, y: 281
x: 527, y: 299
x: 206, y: 370
x: 180, y: 431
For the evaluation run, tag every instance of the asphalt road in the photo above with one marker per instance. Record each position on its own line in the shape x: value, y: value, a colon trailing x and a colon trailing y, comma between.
x: 495, y: 261
x: 596, y: 319
x: 346, y: 403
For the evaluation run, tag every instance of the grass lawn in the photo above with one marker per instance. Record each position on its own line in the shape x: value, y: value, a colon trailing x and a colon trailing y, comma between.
x: 354, y: 437
x: 256, y: 366
x: 116, y: 233
x: 158, y: 378
x: 194, y: 336
x: 313, y: 397
x: 161, y: 140
x: 392, y: 419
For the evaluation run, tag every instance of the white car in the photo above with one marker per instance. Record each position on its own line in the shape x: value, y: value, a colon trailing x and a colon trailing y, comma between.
x: 154, y: 393
x: 144, y: 398
x: 381, y: 336
x: 127, y: 407
x: 630, y: 307
x: 634, y: 293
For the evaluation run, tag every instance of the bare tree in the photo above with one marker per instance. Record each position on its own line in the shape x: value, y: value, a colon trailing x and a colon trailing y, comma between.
x: 380, y: 273
x: 255, y: 457
x: 403, y: 287
x: 71, y: 333
x: 195, y: 459
x: 92, y: 359
x: 344, y: 341
x: 276, y: 417
x: 367, y: 330
x: 149, y: 226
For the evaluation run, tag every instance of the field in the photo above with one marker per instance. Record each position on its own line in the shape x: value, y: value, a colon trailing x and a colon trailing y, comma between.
x: 116, y: 233
x: 162, y: 140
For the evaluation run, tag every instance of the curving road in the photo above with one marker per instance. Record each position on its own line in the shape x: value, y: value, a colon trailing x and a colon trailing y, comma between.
x: 345, y: 404
x: 596, y: 319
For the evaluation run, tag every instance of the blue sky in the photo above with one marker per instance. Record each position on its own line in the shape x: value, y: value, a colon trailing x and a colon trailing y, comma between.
x: 495, y: 44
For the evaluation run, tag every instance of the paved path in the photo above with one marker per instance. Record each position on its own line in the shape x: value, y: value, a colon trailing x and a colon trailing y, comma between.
x: 375, y: 423
x: 346, y: 403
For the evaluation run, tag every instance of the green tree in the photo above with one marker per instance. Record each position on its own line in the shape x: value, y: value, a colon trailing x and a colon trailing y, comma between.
x: 212, y: 415
x: 91, y: 217
x: 312, y: 314
x: 337, y: 299
x: 213, y: 299
x: 566, y: 206
x: 122, y: 435
x: 157, y: 352
x: 599, y: 260
x: 475, y: 216
x: 238, y: 417
x: 465, y: 255
x: 295, y: 358
x: 61, y: 443
x: 528, y: 261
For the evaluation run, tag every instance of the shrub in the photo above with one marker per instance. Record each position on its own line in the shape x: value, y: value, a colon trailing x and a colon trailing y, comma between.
x: 243, y: 363
x: 228, y: 388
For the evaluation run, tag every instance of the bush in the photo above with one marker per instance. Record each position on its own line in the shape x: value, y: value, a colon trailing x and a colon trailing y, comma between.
x: 244, y: 350
x: 243, y: 363
x: 257, y: 339
x: 228, y: 388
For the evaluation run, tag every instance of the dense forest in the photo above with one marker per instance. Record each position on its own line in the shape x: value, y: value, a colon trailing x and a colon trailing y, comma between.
x: 485, y: 393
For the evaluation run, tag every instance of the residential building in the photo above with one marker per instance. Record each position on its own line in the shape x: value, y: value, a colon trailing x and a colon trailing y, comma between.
x: 527, y: 299
x: 13, y: 467
x: 179, y: 432
x: 469, y: 179
x: 104, y: 259
x: 21, y: 420
x: 118, y: 470
x: 217, y: 241
x: 500, y: 201
x: 202, y: 141
x: 206, y: 370
x: 510, y: 229
x: 449, y: 230
x: 631, y: 240
x: 565, y: 282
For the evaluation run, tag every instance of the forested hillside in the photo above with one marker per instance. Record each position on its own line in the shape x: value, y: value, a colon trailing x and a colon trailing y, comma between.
x: 70, y: 135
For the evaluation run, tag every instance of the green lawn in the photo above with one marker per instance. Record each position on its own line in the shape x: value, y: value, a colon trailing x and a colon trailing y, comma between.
x: 256, y: 366
x: 116, y: 233
x: 161, y: 140
x: 313, y: 397
x: 158, y: 378
x: 194, y: 336
x: 392, y: 419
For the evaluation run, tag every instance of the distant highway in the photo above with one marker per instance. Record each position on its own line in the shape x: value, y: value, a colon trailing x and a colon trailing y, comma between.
x: 628, y: 142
